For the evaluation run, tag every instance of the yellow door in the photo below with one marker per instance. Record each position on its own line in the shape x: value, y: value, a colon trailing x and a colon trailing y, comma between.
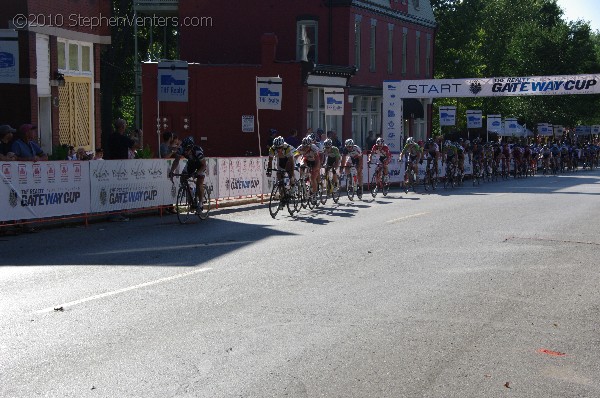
x: 75, y: 112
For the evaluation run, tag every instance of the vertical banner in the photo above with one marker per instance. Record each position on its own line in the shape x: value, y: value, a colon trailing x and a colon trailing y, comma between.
x: 448, y: 116
x: 9, y: 56
x: 511, y: 127
x: 173, y: 81
x: 393, y: 124
x: 543, y: 129
x: 494, y: 124
x: 334, y: 101
x: 558, y: 131
x: 474, y: 119
x: 269, y: 93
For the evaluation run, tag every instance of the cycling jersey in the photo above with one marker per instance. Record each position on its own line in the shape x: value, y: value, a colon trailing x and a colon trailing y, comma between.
x: 332, y: 155
x: 284, y: 152
x: 412, y: 149
x: 354, y: 152
x: 477, y: 152
x: 383, y: 152
x: 310, y: 152
x: 194, y: 160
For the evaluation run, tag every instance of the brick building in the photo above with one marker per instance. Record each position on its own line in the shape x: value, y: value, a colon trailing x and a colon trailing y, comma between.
x: 54, y: 80
x: 353, y: 45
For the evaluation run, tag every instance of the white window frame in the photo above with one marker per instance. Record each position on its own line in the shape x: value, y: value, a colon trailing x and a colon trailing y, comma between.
x: 428, y: 57
x: 404, y: 49
x: 78, y: 72
x: 308, y: 23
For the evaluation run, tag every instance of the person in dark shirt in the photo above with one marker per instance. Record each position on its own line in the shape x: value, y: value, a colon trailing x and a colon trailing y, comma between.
x: 118, y: 142
x: 293, y: 139
x: 6, y: 137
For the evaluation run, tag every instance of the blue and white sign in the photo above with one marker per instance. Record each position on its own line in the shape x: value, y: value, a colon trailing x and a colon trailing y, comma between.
x: 474, y: 119
x: 9, y: 56
x: 448, y: 116
x: 393, y: 125
x: 544, y: 129
x: 512, y: 127
x: 494, y: 124
x: 596, y: 129
x: 558, y: 130
x: 269, y: 92
x: 173, y: 81
x: 334, y: 101
x: 583, y: 130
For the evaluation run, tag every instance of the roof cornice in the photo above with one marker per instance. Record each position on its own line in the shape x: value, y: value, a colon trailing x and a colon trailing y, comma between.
x: 388, y: 12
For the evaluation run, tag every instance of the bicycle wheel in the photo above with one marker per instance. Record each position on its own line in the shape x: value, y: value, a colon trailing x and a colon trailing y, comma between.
x: 291, y: 201
x: 183, y: 207
x: 374, y: 187
x: 426, y: 180
x: 335, y: 191
x: 350, y: 187
x: 385, y: 187
x: 205, y: 208
x: 275, y: 203
x: 297, y: 196
x: 303, y: 195
x: 324, y: 189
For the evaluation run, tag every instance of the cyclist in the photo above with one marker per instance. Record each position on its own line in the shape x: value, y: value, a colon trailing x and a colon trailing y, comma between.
x: 332, y: 160
x: 352, y: 154
x: 546, y: 155
x: 311, y: 158
x: 285, y: 158
x: 476, y: 156
x: 432, y: 151
x: 414, y: 153
x: 460, y: 152
x: 506, y: 153
x: 383, y: 151
x: 449, y: 155
x: 195, y: 167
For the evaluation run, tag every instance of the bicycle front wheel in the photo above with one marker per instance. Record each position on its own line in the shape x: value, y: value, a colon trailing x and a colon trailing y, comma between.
x: 205, y: 207
x: 374, y: 187
x: 324, y: 190
x: 275, y: 200
x: 184, y: 204
x: 350, y: 187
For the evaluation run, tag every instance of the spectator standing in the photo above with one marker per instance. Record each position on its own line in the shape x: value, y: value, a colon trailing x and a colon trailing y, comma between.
x: 370, y: 140
x: 118, y: 143
x: 167, y: 148
x: 335, y: 140
x: 6, y: 137
x: 26, y: 147
x: 99, y: 155
x: 71, y: 155
x: 82, y: 154
x: 293, y: 139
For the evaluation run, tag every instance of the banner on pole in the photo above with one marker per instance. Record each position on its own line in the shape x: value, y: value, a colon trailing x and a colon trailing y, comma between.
x: 448, y: 116
x: 393, y: 125
x: 494, y: 123
x: 173, y: 81
x: 334, y: 101
x: 269, y: 93
x: 474, y: 119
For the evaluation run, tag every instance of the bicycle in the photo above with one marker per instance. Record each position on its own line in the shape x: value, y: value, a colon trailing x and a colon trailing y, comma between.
x: 451, y: 179
x: 352, y: 184
x: 411, y: 178
x: 430, y: 175
x: 187, y: 202
x: 304, y: 188
x: 379, y: 182
x: 282, y: 195
x: 328, y: 188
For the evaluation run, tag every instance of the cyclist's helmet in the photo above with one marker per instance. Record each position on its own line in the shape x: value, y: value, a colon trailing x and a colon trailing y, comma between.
x: 430, y: 140
x: 328, y: 143
x: 447, y: 143
x: 410, y: 140
x: 306, y: 141
x: 278, y: 142
x: 349, y: 142
x: 313, y: 138
x: 379, y: 142
x: 187, y: 143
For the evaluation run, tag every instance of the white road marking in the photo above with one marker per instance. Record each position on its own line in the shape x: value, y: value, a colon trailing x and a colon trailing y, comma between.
x: 406, y: 217
x: 127, y: 289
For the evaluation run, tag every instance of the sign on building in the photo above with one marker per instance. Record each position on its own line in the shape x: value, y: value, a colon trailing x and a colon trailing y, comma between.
x: 269, y: 92
x: 173, y: 81
x: 334, y: 101
x: 247, y: 123
x: 9, y: 56
x: 393, y: 126
x: 494, y: 124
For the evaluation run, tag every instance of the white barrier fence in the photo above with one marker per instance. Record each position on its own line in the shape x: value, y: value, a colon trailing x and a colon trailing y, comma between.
x: 66, y: 188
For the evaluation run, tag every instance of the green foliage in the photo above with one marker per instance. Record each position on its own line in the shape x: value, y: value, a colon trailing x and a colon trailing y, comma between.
x: 59, y: 152
x: 145, y: 153
x: 501, y: 38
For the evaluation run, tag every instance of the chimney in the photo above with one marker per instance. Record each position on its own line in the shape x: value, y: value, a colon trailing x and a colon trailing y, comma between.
x: 268, y: 42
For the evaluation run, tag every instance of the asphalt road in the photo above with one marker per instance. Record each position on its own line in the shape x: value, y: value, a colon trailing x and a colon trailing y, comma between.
x: 489, y: 291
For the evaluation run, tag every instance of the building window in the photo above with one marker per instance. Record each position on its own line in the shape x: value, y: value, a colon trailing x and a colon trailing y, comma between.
x: 366, y: 116
x: 428, y: 57
x: 418, y: 54
x: 307, y: 33
x: 62, y: 55
x: 390, y: 63
x: 75, y: 58
x: 373, y: 58
x: 404, y: 49
x: 357, y: 38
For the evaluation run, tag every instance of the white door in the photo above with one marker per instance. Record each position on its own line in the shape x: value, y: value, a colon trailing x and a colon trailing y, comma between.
x: 42, y: 55
x: 45, y: 123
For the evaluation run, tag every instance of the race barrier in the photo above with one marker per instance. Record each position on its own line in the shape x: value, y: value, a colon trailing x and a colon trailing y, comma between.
x: 33, y: 191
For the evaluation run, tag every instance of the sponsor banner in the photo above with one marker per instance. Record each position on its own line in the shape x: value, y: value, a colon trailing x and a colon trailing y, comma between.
x: 501, y: 86
x: 130, y: 184
x: 512, y: 127
x: 393, y: 125
x: 173, y: 81
x: 269, y: 93
x: 9, y: 56
x: 448, y: 116
x: 583, y: 130
x: 494, y: 123
x: 544, y: 129
x: 240, y: 177
x: 474, y: 119
x: 334, y: 101
x: 596, y: 129
x: 44, y: 189
x: 558, y: 130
